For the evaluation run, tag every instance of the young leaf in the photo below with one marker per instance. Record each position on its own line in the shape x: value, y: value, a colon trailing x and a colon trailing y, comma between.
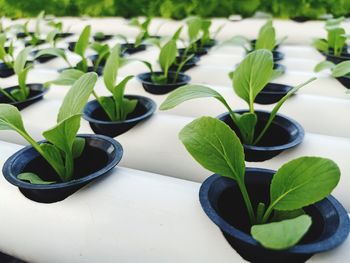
x: 38, y: 22
x: 57, y: 52
x: 66, y: 78
x: 283, y: 234
x: 341, y: 69
x: 246, y: 124
x: 321, y: 45
x: 302, y: 182
x: 83, y: 41
x: 111, y: 68
x: 33, y: 178
x: 21, y: 60
x: 324, y: 65
x: 278, y: 106
x: 194, y: 26
x: 77, y: 96
x: 266, y: 39
x: 252, y: 75
x: 10, y: 118
x: 167, y: 56
x: 189, y: 92
x: 176, y: 36
x: 54, y: 157
x: 215, y: 146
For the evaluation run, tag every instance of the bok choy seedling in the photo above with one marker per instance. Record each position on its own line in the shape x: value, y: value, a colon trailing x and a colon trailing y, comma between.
x: 340, y: 70
x: 34, y: 39
x: 281, y: 222
x: 21, y: 68
x: 250, y: 77
x: 336, y: 38
x: 117, y: 107
x: 6, y: 53
x: 81, y: 47
x: 143, y: 27
x: 266, y: 39
x: 167, y: 57
x: 62, y: 145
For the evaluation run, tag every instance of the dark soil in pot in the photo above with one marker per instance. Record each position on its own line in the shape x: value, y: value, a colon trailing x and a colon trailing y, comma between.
x: 300, y: 19
x: 284, y: 133
x: 272, y: 93
x: 337, y: 59
x: 36, y: 93
x: 345, y: 81
x: 130, y: 48
x: 23, y: 34
x: 5, y: 71
x: 253, y: 43
x: 101, y: 124
x: 209, y: 44
x: 101, y: 154
x: 277, y: 56
x: 39, y: 42
x: 200, y: 51
x: 223, y: 203
x: 280, y: 67
x: 99, y: 70
x: 44, y: 58
x: 63, y: 35
x: 189, y: 64
x: 156, y: 88
x: 102, y: 38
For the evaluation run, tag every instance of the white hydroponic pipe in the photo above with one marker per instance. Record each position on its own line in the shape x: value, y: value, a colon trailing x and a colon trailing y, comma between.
x: 128, y: 216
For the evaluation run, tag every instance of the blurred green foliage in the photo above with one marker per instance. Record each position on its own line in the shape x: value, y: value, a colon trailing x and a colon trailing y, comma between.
x: 177, y: 9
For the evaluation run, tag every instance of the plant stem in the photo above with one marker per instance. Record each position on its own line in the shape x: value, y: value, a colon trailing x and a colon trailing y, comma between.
x: 247, y: 201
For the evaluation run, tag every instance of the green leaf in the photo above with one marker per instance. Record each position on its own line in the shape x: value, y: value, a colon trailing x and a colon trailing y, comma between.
x: 341, y: 69
x: 83, y: 41
x: 215, y: 146
x: 119, y: 90
x: 111, y: 68
x: 54, y: 157
x: 39, y: 18
x: 321, y: 45
x: 278, y: 106
x: 283, y: 234
x: 63, y: 134
x: 108, y: 105
x: 10, y: 118
x: 33, y: 178
x: 57, y: 52
x: 246, y: 124
x: 176, y: 35
x: 67, y: 77
x: 252, y: 75
x: 302, y: 182
x: 324, y: 65
x: 127, y: 108
x: 76, y: 98
x: 336, y: 39
x: 167, y: 56
x: 189, y: 92
x: 78, y: 147
x: 194, y: 25
x: 266, y: 39
x: 21, y: 60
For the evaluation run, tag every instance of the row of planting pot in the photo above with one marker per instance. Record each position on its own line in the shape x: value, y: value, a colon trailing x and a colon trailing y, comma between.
x: 27, y: 169
x: 128, y: 210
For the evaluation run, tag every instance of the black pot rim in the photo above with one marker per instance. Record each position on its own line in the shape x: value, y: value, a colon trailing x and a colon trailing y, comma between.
x: 143, y: 116
x: 26, y: 185
x: 276, y: 92
x: 43, y: 89
x: 295, y: 142
x: 311, y: 248
x: 185, y: 80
